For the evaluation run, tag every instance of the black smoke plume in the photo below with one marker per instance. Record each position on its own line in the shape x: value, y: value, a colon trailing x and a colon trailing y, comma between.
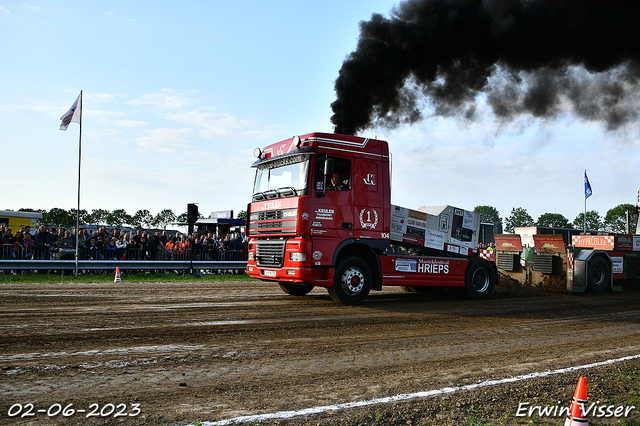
x: 527, y: 57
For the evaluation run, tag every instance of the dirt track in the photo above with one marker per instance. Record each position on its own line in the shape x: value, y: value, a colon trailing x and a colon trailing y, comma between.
x: 211, y: 351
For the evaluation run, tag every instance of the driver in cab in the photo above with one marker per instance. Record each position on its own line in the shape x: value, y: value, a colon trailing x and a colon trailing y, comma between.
x: 337, y: 183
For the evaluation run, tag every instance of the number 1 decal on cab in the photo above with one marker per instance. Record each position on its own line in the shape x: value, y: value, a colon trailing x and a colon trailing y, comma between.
x: 368, y: 218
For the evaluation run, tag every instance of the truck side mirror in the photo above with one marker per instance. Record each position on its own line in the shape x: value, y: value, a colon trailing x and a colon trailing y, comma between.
x: 328, y: 169
x: 326, y: 176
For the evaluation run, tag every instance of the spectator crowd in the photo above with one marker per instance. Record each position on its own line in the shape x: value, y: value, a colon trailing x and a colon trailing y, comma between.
x: 58, y: 243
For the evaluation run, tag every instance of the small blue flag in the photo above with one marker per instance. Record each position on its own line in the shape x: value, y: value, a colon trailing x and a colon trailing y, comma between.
x: 587, y: 186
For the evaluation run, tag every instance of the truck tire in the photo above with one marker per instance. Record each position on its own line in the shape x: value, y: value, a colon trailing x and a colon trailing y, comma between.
x: 599, y: 275
x: 479, y: 280
x: 352, y: 281
x: 296, y: 289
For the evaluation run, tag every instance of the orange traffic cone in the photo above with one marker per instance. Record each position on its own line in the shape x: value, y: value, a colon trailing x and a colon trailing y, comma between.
x: 577, y: 415
x: 117, y: 278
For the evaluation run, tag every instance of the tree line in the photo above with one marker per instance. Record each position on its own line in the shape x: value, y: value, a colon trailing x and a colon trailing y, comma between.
x: 614, y: 221
x: 117, y: 218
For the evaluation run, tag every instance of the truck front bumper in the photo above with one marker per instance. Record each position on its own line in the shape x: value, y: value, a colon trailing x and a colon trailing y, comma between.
x: 320, y: 276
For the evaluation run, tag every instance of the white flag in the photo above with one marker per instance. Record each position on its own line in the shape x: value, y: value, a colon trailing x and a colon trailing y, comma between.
x: 71, y: 116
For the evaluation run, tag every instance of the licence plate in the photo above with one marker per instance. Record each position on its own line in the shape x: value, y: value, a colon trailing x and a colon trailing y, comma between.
x: 269, y: 273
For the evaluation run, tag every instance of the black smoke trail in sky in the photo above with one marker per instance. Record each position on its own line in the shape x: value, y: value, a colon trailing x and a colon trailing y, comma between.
x: 527, y: 57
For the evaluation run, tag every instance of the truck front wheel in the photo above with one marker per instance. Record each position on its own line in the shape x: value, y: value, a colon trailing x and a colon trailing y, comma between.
x: 352, y: 282
x: 480, y: 279
x: 296, y: 289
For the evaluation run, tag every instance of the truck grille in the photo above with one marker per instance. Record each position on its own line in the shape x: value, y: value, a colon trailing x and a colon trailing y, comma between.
x: 273, y: 222
x: 269, y: 215
x: 270, y: 253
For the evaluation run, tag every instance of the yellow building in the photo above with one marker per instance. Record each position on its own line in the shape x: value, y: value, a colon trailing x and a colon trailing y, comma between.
x: 16, y: 219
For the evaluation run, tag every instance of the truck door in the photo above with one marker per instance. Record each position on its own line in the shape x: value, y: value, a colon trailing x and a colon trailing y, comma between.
x: 331, y: 213
x: 368, y: 200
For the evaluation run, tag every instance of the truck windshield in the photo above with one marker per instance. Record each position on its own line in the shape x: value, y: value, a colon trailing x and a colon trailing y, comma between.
x: 285, y: 177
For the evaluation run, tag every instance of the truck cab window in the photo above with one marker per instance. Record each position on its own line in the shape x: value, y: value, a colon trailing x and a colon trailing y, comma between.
x: 339, y: 180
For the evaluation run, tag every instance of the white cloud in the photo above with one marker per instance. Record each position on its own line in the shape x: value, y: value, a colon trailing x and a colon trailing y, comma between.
x: 167, y: 99
x: 33, y: 8
x: 88, y: 97
x: 129, y: 124
x: 165, y: 140
x: 4, y: 11
x: 223, y: 125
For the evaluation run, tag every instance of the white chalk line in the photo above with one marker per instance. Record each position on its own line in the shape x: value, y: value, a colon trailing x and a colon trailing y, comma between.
x: 408, y: 396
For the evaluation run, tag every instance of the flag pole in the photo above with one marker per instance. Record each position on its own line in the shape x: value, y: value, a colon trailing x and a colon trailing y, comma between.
x: 584, y: 218
x: 79, y: 162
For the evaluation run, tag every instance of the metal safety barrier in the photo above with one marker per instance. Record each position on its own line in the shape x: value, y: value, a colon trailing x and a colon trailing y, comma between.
x: 124, y: 265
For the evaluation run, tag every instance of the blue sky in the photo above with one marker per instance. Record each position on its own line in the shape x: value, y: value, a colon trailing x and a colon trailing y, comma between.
x: 178, y: 94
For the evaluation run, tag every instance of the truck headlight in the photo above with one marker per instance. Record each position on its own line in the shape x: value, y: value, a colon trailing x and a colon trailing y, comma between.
x: 297, y: 257
x: 250, y: 256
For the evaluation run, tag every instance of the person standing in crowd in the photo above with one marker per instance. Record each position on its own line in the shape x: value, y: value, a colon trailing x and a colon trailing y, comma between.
x: 133, y: 251
x: 184, y: 247
x: 92, y: 249
x: 16, y: 250
x: 43, y: 242
x: 102, y: 232
x: 121, y: 244
x: 55, y: 248
x: 112, y: 249
x: 144, y: 246
x: 236, y: 243
x: 194, y: 243
x: 29, y: 246
x: 154, y: 245
x: 100, y: 244
x: 67, y: 240
x: 164, y: 238
x: 82, y: 244
x: 168, y: 250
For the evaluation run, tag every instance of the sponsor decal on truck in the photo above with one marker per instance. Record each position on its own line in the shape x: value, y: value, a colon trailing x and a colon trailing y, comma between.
x: 422, y: 266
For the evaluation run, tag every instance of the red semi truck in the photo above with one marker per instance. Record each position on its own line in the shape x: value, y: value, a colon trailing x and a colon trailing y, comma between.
x: 321, y: 215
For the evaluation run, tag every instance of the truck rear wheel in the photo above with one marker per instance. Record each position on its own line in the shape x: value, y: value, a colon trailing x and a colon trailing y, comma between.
x: 352, y: 282
x: 296, y: 289
x: 480, y: 279
x: 599, y: 275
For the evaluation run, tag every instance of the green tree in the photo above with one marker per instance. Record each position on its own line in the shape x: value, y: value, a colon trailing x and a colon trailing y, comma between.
x: 97, y: 217
x: 164, y: 218
x: 554, y: 220
x: 519, y: 217
x: 488, y: 214
x: 242, y: 214
x: 594, y: 222
x: 182, y: 218
x: 60, y: 217
x: 616, y: 219
x: 142, y: 219
x: 83, y: 216
x: 118, y: 218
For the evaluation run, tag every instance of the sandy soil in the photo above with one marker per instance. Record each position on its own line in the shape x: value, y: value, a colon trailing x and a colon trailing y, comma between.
x: 168, y: 353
